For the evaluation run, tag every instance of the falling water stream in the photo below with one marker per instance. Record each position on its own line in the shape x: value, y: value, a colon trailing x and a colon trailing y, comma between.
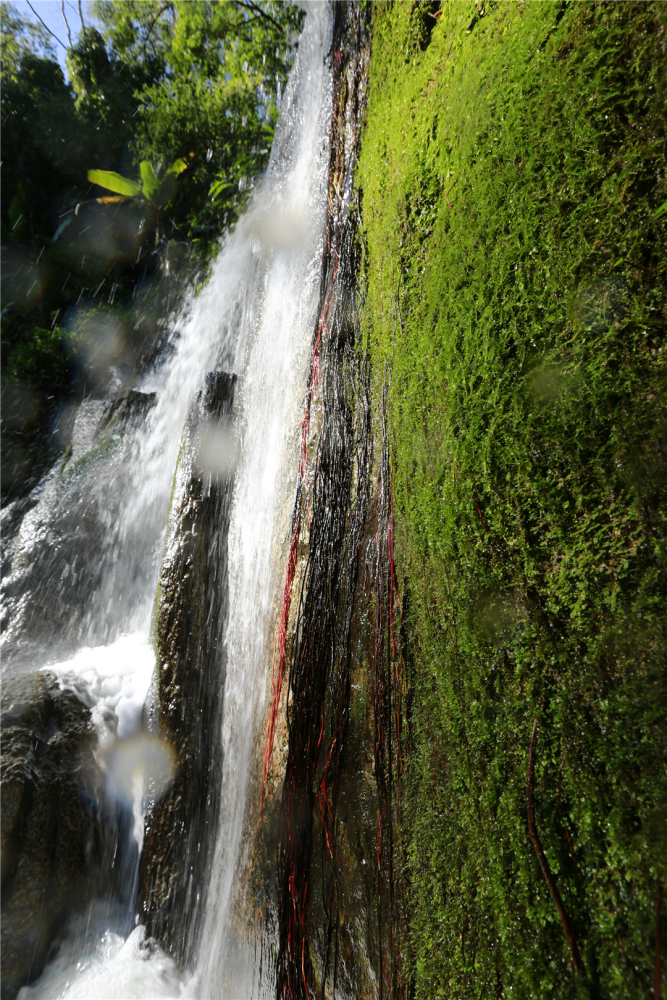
x: 255, y: 318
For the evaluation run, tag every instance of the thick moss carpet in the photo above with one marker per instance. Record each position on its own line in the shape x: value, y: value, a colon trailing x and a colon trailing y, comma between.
x: 513, y: 184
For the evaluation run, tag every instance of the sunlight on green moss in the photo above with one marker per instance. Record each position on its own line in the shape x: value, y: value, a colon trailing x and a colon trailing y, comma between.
x: 512, y: 174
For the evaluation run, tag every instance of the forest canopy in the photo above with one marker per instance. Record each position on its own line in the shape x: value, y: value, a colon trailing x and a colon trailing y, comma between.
x: 150, y: 83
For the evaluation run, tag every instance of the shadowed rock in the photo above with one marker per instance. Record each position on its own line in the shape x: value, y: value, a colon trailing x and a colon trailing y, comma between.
x: 190, y: 616
x: 52, y: 835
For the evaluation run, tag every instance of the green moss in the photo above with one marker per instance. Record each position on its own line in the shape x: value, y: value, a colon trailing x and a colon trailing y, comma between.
x: 512, y: 169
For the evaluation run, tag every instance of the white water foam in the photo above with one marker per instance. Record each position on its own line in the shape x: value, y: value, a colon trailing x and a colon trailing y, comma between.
x: 107, y: 965
x: 112, y: 681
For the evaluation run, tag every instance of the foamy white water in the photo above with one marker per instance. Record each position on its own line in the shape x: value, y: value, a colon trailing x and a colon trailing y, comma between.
x: 255, y: 318
x: 113, y: 681
x: 102, y: 964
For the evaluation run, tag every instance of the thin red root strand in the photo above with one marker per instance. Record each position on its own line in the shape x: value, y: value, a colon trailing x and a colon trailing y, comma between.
x: 318, y: 743
x: 313, y: 381
x: 322, y: 792
x: 324, y: 824
x: 282, y: 633
x: 480, y: 515
x: 379, y: 835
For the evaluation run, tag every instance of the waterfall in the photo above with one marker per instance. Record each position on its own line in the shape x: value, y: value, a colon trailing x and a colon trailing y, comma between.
x: 255, y: 319
x: 269, y: 417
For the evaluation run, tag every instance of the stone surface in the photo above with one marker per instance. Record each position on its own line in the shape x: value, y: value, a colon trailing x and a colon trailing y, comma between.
x: 55, y: 539
x: 53, y: 842
x: 88, y: 417
x: 190, y: 616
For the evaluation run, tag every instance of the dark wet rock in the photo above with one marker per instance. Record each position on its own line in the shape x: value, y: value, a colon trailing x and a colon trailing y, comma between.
x: 191, y: 610
x: 35, y: 432
x: 52, y: 837
x: 125, y: 409
x: 26, y: 458
x: 97, y: 418
x: 11, y: 518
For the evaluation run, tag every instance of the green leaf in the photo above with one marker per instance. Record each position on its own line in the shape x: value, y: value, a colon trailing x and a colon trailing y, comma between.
x: 218, y: 187
x: 659, y: 212
x: 150, y: 183
x: 112, y: 181
x: 178, y: 166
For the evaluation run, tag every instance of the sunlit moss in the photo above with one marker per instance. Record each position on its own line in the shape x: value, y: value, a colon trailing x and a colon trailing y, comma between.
x: 512, y: 174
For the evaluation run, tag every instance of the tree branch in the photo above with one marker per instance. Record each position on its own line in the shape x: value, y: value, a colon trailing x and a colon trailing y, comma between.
x: 81, y: 16
x: 165, y: 6
x: 249, y: 5
x: 45, y: 25
x: 69, y: 33
x: 541, y: 857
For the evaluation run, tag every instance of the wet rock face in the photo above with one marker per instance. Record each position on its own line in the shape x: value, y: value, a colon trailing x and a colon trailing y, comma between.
x: 28, y: 449
x: 52, y: 835
x: 53, y: 541
x: 190, y: 615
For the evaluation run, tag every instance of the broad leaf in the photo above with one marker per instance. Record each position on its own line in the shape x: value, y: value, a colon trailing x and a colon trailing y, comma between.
x: 149, y: 181
x: 112, y: 181
x: 178, y: 166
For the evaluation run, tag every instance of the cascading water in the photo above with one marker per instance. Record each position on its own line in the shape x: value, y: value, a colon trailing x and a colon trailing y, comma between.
x: 274, y: 387
x: 254, y: 318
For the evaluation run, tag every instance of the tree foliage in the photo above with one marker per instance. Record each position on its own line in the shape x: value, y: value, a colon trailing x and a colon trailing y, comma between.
x: 218, y: 73
x: 151, y: 85
x: 19, y: 37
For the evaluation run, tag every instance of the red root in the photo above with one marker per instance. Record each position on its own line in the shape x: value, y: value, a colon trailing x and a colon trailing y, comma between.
x: 566, y: 923
x: 281, y: 638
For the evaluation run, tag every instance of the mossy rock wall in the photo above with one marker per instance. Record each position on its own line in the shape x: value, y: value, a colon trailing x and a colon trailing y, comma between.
x: 512, y: 175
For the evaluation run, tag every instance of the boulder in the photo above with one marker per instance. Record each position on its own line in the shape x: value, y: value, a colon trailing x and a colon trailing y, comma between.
x: 190, y: 616
x: 53, y: 840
